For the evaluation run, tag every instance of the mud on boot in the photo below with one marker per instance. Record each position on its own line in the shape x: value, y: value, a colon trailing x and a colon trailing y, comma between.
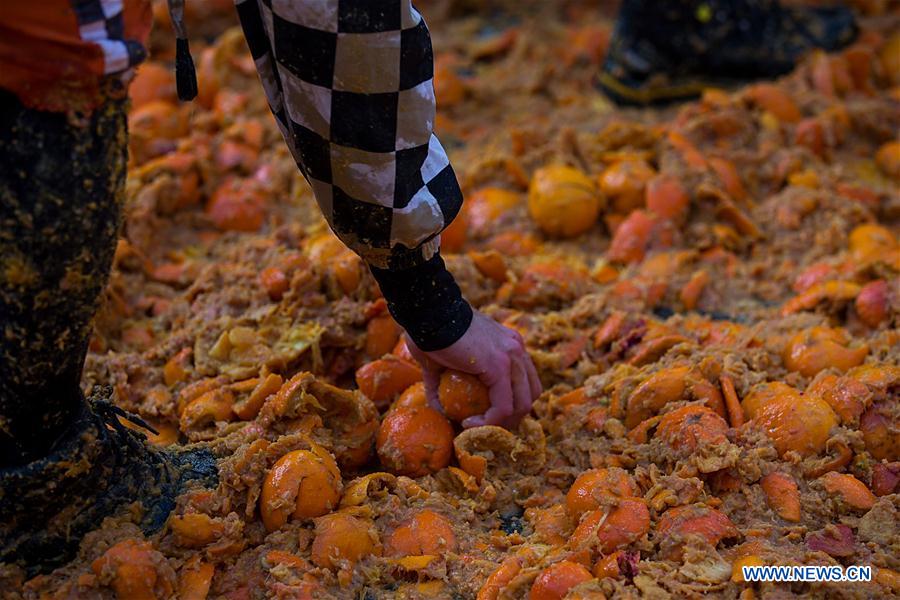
x: 95, y: 470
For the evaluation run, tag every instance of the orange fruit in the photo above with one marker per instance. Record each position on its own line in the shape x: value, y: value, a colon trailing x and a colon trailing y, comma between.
x: 775, y: 100
x: 846, y: 396
x: 873, y: 303
x: 765, y: 394
x: 689, y: 153
x: 137, y: 570
x: 871, y: 241
x: 623, y: 183
x: 208, y: 408
x: 382, y: 334
x: 608, y: 566
x: 793, y: 421
x: 324, y: 247
x: 195, y: 581
x: 486, y: 206
x: 890, y: 58
x: 818, y: 348
x: 575, y: 397
x: 849, y: 489
x: 383, y: 379
x: 462, y: 395
x: 782, y: 495
x: 692, y: 291
x: 157, y: 119
x: 453, y: 237
x: 686, y: 428
x: 888, y: 159
x: 342, y: 537
x: 425, y: 533
x: 208, y: 80
x: 358, y: 444
x: 491, y: 264
x: 401, y: 351
x: 227, y: 104
x: 152, y: 82
x: 548, y: 280
x: 632, y: 237
x: 302, y: 484
x: 811, y: 134
x: 237, y: 205
x: 613, y: 528
x: 346, y: 271
x: 195, y: 530
x: 555, y: 581
x: 414, y: 441
x: 414, y: 395
x: 709, y: 523
x: 449, y: 89
x: 587, y: 43
x: 563, y: 201
x: 274, y: 281
x: 551, y: 525
x: 330, y: 254
x: 728, y: 175
x: 514, y: 243
x: 881, y: 432
x: 231, y: 154
x: 592, y: 486
x: 667, y: 197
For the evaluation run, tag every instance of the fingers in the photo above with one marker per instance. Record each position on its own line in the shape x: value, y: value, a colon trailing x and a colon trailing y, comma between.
x: 432, y: 379
x: 533, y: 380
x: 526, y: 383
x: 500, y: 391
x: 522, y: 395
x: 431, y: 374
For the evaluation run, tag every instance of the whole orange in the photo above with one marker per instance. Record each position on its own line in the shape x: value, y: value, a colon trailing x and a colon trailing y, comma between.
x: 462, y: 395
x: 414, y: 441
x: 564, y: 201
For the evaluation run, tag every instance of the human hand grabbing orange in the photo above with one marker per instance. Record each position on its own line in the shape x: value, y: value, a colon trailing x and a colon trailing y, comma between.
x: 494, y: 354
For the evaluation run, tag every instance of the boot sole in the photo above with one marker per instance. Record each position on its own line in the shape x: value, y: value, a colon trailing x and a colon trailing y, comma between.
x: 623, y: 94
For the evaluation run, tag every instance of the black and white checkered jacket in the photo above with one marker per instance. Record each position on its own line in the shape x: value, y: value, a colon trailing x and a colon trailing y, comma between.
x: 350, y: 85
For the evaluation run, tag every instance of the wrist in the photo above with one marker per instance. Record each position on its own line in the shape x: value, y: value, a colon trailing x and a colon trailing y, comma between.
x: 426, y: 301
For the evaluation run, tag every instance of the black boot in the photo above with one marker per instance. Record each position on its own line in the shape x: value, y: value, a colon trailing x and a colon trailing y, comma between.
x: 665, y: 50
x: 97, y: 469
x: 66, y: 464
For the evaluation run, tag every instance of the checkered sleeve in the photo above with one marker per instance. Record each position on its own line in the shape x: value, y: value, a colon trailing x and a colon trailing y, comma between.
x: 350, y: 84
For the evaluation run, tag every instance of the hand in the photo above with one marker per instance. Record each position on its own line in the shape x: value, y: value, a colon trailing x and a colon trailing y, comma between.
x: 497, y: 356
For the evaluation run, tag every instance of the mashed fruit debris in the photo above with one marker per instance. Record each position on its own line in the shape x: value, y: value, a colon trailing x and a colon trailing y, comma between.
x: 710, y: 292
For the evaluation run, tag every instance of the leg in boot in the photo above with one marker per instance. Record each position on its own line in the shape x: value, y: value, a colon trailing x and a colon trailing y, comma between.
x: 60, y: 199
x: 64, y: 465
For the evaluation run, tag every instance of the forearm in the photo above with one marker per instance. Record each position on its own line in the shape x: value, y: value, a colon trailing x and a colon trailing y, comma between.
x: 426, y: 302
x: 352, y: 93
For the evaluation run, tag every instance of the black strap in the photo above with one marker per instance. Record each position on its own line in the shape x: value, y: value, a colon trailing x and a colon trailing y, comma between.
x: 185, y: 73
